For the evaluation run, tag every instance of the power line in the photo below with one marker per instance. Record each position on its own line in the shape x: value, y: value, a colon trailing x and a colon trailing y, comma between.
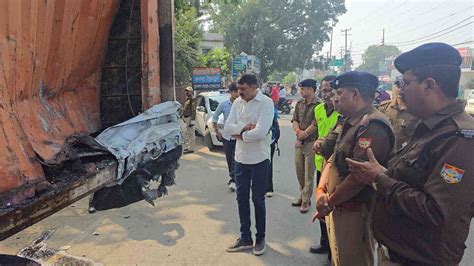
x: 432, y: 22
x: 461, y: 43
x: 445, y: 29
x: 418, y: 27
x: 415, y: 42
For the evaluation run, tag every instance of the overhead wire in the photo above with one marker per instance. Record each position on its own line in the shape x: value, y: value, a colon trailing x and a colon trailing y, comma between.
x: 428, y: 39
x: 359, y: 45
x: 431, y: 22
x: 445, y: 29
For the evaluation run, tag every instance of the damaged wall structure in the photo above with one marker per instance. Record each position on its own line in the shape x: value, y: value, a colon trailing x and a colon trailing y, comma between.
x: 52, y: 75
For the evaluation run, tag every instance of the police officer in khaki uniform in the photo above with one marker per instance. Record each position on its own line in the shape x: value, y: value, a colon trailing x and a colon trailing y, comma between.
x: 364, y: 127
x: 305, y: 128
x: 425, y: 200
x: 403, y: 123
x: 189, y: 116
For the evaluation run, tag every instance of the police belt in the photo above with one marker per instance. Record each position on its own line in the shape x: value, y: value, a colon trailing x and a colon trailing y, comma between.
x: 350, y: 206
x: 397, y: 258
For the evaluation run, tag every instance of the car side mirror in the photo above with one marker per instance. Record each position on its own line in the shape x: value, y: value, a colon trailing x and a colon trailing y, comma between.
x: 201, y: 109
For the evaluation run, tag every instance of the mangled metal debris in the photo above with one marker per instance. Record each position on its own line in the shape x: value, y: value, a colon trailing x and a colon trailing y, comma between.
x: 147, y: 148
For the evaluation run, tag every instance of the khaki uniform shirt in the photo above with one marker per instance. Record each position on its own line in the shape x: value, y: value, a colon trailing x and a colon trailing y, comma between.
x: 189, y: 108
x: 402, y: 122
x: 367, y: 129
x: 425, y: 202
x: 304, y: 115
x: 329, y: 142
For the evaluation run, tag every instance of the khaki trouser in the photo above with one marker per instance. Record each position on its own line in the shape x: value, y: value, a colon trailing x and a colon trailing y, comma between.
x: 350, y: 237
x: 189, y: 135
x: 304, y: 162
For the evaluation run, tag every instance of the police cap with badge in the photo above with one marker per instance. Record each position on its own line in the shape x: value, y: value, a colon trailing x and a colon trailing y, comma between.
x: 356, y: 79
x: 429, y: 54
x: 308, y: 83
x: 433, y: 54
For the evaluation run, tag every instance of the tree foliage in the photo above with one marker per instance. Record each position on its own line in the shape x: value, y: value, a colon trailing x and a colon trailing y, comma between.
x: 284, y: 34
x: 188, y: 36
x: 374, y: 55
x: 217, y: 57
x: 290, y: 78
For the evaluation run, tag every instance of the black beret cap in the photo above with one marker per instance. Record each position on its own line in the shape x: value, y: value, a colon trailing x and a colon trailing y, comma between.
x: 427, y: 55
x: 360, y: 80
x: 309, y: 83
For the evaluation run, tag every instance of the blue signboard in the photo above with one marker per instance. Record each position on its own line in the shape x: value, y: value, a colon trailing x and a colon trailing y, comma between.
x: 239, y: 66
x: 206, y: 78
x: 245, y: 64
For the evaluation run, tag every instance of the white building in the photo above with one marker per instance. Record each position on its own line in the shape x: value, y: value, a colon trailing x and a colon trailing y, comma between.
x: 211, y: 41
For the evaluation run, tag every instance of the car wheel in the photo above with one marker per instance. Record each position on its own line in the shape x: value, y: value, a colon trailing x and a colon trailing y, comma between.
x: 208, y: 140
x: 285, y: 109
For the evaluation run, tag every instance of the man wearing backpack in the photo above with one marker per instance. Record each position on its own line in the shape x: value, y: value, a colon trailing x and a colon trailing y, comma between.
x: 228, y: 141
x: 273, y: 146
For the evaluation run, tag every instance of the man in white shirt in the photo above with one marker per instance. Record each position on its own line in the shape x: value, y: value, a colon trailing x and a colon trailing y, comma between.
x: 249, y: 122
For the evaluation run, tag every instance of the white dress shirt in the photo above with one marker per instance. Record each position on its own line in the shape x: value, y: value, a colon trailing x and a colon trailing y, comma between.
x: 255, y: 146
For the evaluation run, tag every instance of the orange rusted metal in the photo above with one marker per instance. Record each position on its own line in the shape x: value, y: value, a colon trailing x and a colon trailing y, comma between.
x: 151, y: 93
x: 51, y: 54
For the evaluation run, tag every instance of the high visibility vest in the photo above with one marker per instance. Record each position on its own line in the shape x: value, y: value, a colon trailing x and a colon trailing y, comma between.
x: 325, y: 125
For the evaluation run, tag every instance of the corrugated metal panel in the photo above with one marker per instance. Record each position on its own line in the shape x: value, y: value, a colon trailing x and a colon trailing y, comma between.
x: 51, y: 54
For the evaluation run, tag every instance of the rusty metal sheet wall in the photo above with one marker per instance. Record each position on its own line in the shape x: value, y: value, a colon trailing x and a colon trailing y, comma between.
x: 51, y: 54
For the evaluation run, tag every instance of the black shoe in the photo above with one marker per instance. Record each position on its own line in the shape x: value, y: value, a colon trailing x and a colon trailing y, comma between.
x: 188, y: 151
x: 318, y: 249
x: 239, y: 245
x: 296, y: 203
x: 259, y: 247
x: 91, y: 210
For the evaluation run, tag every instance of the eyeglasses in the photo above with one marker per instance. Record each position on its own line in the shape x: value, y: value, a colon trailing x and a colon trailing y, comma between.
x: 404, y: 83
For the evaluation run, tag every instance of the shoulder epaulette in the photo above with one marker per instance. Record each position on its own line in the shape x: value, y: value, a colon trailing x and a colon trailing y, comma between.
x: 467, y: 133
x: 465, y: 124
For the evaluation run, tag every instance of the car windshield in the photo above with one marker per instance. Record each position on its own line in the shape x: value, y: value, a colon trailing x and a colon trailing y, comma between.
x: 214, y: 101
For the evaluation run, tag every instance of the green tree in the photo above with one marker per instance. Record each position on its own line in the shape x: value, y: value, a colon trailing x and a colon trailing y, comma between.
x: 188, y: 36
x: 275, y: 76
x: 217, y: 57
x: 284, y: 34
x: 290, y: 78
x: 375, y: 55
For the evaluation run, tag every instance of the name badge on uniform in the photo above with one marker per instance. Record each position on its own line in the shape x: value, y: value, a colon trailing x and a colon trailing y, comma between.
x: 338, y: 129
x: 402, y: 122
x: 452, y: 174
x: 364, y: 143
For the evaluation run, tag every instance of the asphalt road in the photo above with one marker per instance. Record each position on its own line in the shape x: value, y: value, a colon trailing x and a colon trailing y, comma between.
x: 193, y: 224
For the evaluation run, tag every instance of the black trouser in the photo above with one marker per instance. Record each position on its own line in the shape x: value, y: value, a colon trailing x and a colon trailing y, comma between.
x: 270, y: 172
x: 251, y: 177
x: 229, y: 150
x: 324, y: 232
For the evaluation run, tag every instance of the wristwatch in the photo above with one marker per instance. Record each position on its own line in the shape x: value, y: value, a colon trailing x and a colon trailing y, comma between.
x: 376, y: 179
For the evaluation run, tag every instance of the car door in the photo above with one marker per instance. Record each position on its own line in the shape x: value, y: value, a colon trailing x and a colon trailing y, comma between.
x: 201, y: 115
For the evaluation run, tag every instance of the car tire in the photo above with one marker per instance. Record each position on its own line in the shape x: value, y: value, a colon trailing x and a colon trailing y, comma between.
x: 208, y: 140
x: 286, y: 109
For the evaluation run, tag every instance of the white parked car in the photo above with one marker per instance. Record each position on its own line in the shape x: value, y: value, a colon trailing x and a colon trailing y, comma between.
x: 470, y: 104
x: 207, y: 103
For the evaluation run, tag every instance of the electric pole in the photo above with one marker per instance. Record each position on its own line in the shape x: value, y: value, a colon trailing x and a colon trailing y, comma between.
x: 330, y: 44
x: 383, y: 63
x: 345, y: 53
x: 383, y: 37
